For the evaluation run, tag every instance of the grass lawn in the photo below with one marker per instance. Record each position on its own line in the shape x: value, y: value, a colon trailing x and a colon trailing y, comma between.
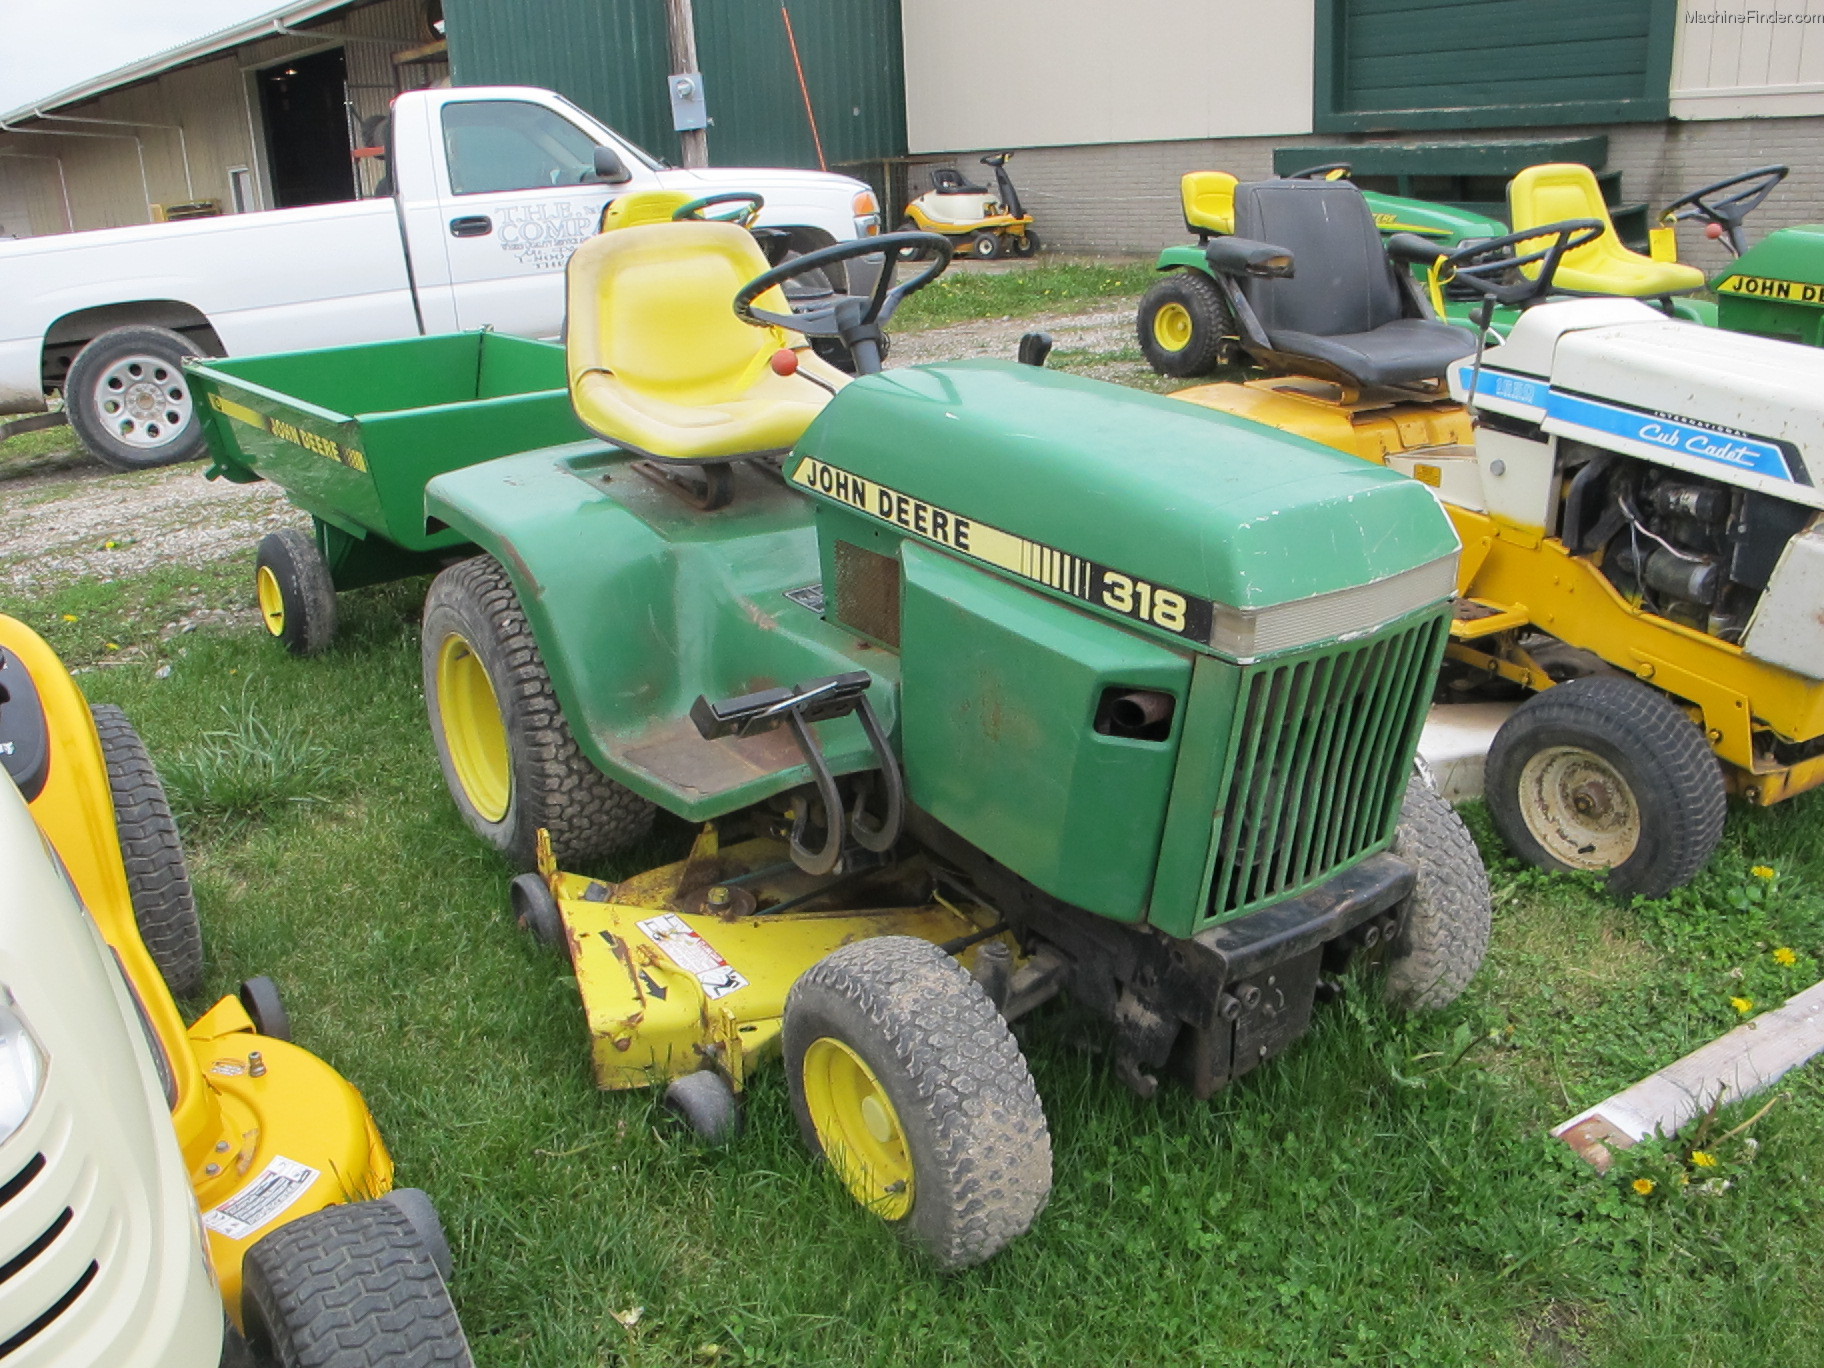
x: 965, y: 291
x: 1382, y: 1194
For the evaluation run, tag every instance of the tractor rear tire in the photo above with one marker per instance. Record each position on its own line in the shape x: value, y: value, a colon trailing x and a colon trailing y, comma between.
x: 906, y: 1080
x: 350, y: 1287
x: 1182, y: 322
x: 1446, y: 919
x: 912, y: 253
x: 1605, y: 773
x: 508, y: 755
x: 164, y: 905
x: 297, y: 597
x: 984, y: 244
x: 129, y: 400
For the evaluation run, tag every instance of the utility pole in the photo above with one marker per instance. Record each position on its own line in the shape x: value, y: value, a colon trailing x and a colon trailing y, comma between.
x: 686, y: 82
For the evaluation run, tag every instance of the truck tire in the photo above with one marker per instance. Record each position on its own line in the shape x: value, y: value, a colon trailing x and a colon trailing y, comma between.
x: 1182, y: 322
x: 129, y: 400
x: 507, y: 753
x: 349, y: 1287
x: 906, y: 1080
x: 1608, y: 774
x: 297, y: 597
x: 1446, y: 919
x: 164, y: 906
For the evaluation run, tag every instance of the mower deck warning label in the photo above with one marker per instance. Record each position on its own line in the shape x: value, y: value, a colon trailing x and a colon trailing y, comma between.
x: 268, y: 1196
x: 694, y: 955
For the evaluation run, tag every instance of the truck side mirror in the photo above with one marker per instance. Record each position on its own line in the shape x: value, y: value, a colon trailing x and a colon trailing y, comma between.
x: 610, y: 168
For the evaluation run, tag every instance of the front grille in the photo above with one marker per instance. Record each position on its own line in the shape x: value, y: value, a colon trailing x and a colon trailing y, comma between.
x: 867, y: 592
x: 48, y: 1210
x: 1317, y: 768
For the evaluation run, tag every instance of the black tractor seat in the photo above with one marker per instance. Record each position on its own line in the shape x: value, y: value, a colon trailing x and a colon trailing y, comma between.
x: 1314, y: 291
x: 948, y: 181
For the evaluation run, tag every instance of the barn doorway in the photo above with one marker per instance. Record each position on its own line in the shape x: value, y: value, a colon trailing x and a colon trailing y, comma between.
x: 304, y: 102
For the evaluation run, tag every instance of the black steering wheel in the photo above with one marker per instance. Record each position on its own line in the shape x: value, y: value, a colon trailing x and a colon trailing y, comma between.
x: 856, y: 319
x: 1727, y: 213
x: 1322, y: 171
x: 1481, y: 265
x: 744, y: 217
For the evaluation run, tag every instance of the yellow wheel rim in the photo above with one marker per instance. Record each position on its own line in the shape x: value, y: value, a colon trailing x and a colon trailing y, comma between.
x: 1172, y: 327
x: 1579, y: 808
x: 858, y: 1128
x: 474, y: 733
x: 272, y: 600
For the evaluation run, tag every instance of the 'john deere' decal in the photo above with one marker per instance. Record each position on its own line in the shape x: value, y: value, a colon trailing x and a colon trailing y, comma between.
x: 1765, y: 287
x: 289, y: 432
x: 1118, y: 592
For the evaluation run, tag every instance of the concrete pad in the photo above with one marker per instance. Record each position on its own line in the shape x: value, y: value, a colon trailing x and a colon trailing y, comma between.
x: 1751, y: 1057
x: 1455, y: 742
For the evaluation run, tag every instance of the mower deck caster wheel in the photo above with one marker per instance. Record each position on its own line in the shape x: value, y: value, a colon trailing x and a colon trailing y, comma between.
x: 260, y: 997
x: 1607, y: 774
x: 296, y: 594
x: 907, y: 1082
x: 706, y: 1103
x: 535, y: 909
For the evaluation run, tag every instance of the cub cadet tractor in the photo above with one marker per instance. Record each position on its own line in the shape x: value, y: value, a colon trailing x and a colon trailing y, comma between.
x: 1643, y: 550
x: 983, y: 224
x: 316, y: 1260
x: 984, y: 684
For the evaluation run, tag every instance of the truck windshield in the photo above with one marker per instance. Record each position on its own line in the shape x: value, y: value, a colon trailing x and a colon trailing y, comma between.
x: 497, y: 145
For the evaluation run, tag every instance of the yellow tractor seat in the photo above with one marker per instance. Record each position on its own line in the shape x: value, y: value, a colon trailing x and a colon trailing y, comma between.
x: 642, y: 206
x: 1209, y: 202
x: 1566, y: 190
x: 659, y: 363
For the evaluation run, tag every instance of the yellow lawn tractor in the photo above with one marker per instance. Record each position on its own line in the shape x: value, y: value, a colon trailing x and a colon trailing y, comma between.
x: 981, y: 223
x: 318, y: 1259
x: 1643, y: 537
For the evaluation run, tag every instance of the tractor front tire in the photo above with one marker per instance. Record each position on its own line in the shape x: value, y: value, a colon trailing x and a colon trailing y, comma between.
x: 906, y: 1080
x: 1446, y: 919
x: 296, y: 595
x: 129, y: 400
x: 508, y: 755
x: 1182, y: 322
x: 164, y: 906
x: 1605, y: 773
x: 350, y: 1287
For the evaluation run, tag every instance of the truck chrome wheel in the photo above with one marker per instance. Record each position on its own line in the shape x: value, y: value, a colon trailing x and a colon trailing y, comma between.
x: 1578, y: 808
x: 857, y: 1128
x: 473, y: 730
x: 144, y: 400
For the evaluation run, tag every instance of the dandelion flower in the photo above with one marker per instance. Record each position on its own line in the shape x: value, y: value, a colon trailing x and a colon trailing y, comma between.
x: 1784, y: 956
x: 1703, y: 1158
x: 1742, y: 1005
x: 1644, y: 1186
x: 70, y: 617
x: 1764, y: 872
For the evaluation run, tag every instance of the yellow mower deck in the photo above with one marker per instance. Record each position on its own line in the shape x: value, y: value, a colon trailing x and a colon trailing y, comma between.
x: 684, y: 967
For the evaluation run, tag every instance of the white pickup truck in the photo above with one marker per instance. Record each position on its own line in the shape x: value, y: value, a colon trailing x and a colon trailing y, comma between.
x: 487, y: 191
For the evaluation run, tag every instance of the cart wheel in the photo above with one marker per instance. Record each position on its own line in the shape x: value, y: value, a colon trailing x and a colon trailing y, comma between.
x: 164, y: 907
x: 297, y: 596
x: 906, y: 225
x: 535, y: 909
x: 1027, y: 244
x: 1606, y: 773
x: 984, y: 245
x: 1182, y: 322
x: 907, y: 1081
x: 1445, y: 920
x: 260, y: 997
x: 129, y: 400
x: 508, y: 756
x: 706, y: 1103
x: 350, y: 1287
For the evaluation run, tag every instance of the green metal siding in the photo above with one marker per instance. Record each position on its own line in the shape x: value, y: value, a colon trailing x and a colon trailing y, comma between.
x: 612, y: 57
x: 1486, y: 63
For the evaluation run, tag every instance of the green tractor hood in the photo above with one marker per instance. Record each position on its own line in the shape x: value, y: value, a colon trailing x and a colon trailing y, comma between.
x: 1126, y: 500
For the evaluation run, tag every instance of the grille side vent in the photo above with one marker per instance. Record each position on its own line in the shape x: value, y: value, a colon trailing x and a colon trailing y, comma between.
x: 867, y: 592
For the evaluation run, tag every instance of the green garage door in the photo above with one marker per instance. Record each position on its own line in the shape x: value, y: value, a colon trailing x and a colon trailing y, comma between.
x: 1488, y: 63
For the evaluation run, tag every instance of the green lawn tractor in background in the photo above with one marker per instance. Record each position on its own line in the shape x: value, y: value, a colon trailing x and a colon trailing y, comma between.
x: 982, y: 684
x: 1776, y: 289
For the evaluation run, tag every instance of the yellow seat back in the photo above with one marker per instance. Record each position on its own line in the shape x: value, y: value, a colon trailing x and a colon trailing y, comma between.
x: 642, y: 206
x: 1209, y: 201
x: 1567, y: 190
